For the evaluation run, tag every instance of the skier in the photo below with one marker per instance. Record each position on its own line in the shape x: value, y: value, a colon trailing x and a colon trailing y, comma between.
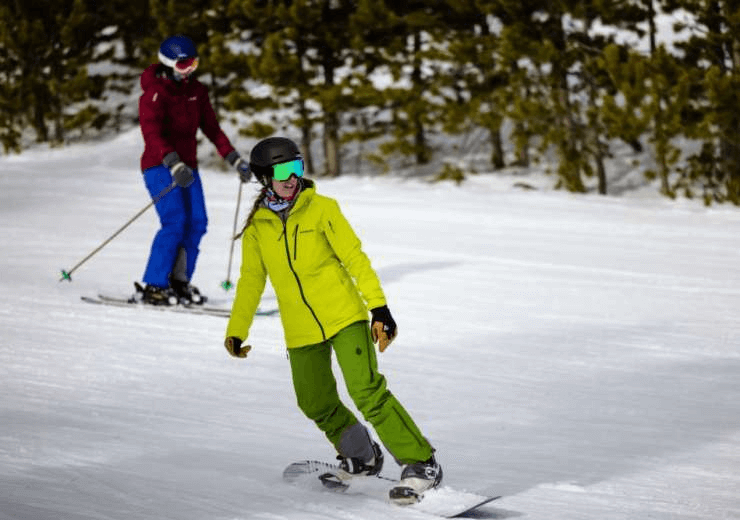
x: 171, y: 109
x: 325, y: 285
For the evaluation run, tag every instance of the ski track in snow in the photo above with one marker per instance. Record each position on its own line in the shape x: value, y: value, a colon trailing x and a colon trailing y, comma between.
x: 577, y: 354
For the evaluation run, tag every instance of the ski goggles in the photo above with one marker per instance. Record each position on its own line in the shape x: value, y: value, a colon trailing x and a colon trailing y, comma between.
x: 186, y: 66
x: 283, y: 171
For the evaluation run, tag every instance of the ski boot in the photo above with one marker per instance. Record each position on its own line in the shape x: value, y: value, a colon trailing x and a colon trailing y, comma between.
x: 186, y: 293
x: 154, y: 295
x: 416, y: 478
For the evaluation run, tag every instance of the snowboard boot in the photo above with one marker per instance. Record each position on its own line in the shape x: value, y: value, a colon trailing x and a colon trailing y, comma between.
x: 187, y: 294
x: 357, y: 467
x: 350, y: 467
x: 416, y: 478
x: 154, y: 295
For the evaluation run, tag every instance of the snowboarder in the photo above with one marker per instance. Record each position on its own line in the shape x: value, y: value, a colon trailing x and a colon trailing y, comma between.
x: 325, y: 285
x: 171, y: 109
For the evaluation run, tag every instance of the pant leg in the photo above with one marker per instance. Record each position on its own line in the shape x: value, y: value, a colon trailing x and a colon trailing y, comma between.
x: 356, y: 356
x: 172, y: 217
x: 196, y: 223
x: 316, y: 391
x: 180, y: 268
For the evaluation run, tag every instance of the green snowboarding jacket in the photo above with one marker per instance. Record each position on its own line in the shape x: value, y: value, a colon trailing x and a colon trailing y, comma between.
x: 322, y: 278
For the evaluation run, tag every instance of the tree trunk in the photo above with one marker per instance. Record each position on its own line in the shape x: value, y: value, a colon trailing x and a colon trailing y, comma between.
x: 305, y: 124
x: 601, y: 172
x: 331, y: 144
x: 420, y: 142
x: 652, y: 29
x: 422, y: 157
x: 567, y: 140
x: 497, y: 149
x: 39, y: 122
x: 333, y: 168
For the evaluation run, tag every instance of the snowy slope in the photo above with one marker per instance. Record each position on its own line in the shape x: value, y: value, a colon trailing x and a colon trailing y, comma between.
x: 577, y: 354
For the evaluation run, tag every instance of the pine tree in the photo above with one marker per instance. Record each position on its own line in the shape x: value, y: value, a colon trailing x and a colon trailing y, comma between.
x: 373, y: 27
x: 70, y: 83
x: 536, y: 57
x: 670, y: 89
x: 274, y: 60
x: 225, y: 71
x: 474, y: 87
x: 625, y: 109
x: 564, y: 83
x: 414, y: 57
x: 714, y: 50
x: 301, y: 48
x: 11, y: 109
x: 27, y: 45
x: 49, y: 49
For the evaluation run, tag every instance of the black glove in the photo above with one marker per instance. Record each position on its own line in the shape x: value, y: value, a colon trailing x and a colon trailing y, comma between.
x: 241, y: 166
x: 181, y: 172
x: 382, y: 326
x: 234, y: 347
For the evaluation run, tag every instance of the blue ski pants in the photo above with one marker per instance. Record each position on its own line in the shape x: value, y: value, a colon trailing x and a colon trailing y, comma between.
x: 182, y: 215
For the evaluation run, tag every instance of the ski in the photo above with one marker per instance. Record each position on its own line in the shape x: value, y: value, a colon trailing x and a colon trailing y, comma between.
x: 208, y: 310
x: 443, y: 501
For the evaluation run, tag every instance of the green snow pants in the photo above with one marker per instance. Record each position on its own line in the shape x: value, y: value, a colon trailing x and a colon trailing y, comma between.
x: 316, y: 391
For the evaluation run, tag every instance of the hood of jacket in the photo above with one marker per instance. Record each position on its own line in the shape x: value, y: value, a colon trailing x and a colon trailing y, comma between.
x: 149, y: 77
x: 155, y: 77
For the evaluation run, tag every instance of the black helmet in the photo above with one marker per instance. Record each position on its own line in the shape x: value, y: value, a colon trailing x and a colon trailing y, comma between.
x: 270, y: 151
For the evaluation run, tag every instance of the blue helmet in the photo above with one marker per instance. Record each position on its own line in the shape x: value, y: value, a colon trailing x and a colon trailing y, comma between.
x: 176, y: 49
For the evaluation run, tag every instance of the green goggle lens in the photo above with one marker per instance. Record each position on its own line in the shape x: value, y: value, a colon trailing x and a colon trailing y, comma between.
x: 283, y: 171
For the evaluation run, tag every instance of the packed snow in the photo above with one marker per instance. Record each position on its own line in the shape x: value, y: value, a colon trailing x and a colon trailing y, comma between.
x: 577, y: 354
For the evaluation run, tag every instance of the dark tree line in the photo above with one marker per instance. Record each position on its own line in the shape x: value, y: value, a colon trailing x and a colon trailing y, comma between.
x: 550, y: 76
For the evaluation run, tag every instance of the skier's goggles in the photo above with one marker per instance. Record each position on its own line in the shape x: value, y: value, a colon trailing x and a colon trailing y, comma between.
x: 283, y: 171
x: 186, y: 66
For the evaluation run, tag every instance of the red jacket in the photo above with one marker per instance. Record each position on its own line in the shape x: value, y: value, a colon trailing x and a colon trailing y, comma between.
x: 170, y: 114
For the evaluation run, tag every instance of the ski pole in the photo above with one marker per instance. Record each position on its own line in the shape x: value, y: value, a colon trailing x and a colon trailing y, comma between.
x: 226, y: 284
x: 67, y: 275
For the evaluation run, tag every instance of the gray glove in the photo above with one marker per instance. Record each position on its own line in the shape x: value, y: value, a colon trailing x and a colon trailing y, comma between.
x: 181, y: 172
x: 241, y: 166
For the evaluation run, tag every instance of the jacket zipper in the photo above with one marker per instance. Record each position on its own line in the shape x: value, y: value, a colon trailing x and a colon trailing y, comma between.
x: 297, y: 279
x: 295, y: 244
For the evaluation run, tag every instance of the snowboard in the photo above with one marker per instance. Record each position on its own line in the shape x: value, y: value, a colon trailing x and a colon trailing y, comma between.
x: 208, y: 310
x: 443, y: 501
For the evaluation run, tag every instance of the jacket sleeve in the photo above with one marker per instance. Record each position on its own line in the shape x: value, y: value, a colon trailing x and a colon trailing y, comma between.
x: 252, y: 278
x: 211, y: 128
x: 348, y: 249
x: 151, y: 117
